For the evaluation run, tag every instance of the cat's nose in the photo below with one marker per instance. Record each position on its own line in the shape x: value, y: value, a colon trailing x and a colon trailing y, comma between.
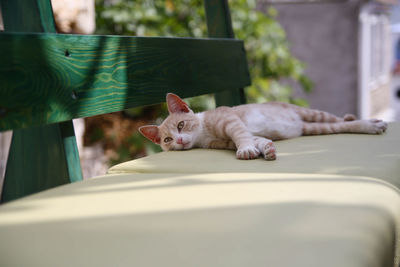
x: 179, y: 141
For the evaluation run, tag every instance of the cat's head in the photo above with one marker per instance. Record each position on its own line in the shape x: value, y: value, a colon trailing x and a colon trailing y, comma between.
x: 179, y: 130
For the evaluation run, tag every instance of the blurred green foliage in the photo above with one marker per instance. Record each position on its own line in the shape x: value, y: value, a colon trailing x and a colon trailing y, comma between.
x: 268, y: 53
x: 135, y: 146
x: 267, y: 48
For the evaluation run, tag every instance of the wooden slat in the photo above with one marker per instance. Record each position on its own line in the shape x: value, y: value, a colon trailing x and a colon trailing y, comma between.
x: 46, y: 78
x: 27, y: 16
x: 40, y: 157
x: 219, y: 22
x: 36, y: 162
x: 219, y: 25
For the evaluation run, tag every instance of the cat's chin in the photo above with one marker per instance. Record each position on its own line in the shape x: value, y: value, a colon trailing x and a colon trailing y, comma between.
x: 179, y: 147
x: 186, y: 146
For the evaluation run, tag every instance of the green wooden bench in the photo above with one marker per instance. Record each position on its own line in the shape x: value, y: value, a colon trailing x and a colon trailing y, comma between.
x: 326, y: 201
x: 47, y: 79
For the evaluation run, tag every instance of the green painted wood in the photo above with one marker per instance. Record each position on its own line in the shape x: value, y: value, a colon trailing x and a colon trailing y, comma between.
x: 60, y: 77
x: 219, y: 24
x: 49, y: 78
x: 40, y: 157
x: 71, y: 153
x: 36, y: 162
x: 27, y: 16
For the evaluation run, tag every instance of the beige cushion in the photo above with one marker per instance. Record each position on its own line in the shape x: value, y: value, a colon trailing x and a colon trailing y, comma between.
x: 224, y: 219
x: 347, y: 154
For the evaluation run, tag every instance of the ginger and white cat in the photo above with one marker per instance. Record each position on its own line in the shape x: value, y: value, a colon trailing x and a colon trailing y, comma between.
x: 249, y: 129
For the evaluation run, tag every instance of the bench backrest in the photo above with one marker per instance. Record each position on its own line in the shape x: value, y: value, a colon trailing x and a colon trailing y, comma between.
x: 48, y: 79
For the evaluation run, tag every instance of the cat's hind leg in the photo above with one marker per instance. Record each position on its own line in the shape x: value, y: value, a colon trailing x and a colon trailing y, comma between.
x: 313, y: 115
x: 357, y: 126
x: 266, y: 147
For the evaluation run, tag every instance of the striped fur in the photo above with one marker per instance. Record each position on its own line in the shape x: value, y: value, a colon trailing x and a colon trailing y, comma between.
x: 248, y: 129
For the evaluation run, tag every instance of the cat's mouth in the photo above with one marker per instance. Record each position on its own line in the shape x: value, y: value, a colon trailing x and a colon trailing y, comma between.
x: 185, y: 145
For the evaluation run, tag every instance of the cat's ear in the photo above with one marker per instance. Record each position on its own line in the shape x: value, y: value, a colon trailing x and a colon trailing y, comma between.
x: 151, y: 132
x: 176, y: 104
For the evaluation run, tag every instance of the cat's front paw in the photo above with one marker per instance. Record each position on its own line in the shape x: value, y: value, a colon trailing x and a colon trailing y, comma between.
x: 249, y: 152
x: 269, y: 151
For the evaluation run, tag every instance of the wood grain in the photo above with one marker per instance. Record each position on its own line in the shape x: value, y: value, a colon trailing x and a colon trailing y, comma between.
x: 40, y: 157
x: 47, y: 78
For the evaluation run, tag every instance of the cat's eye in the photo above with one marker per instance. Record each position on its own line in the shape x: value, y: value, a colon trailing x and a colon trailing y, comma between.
x: 180, y: 125
x: 167, y: 139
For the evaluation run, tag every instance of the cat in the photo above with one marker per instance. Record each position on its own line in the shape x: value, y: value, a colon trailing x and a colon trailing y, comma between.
x: 249, y: 129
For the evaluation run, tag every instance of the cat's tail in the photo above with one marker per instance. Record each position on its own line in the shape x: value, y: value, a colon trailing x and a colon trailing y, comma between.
x: 313, y: 115
x: 358, y: 126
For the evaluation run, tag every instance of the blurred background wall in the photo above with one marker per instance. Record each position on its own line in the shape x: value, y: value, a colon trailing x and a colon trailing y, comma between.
x: 347, y: 48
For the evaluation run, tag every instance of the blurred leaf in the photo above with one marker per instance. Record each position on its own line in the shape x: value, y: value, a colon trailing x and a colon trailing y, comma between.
x: 268, y: 50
